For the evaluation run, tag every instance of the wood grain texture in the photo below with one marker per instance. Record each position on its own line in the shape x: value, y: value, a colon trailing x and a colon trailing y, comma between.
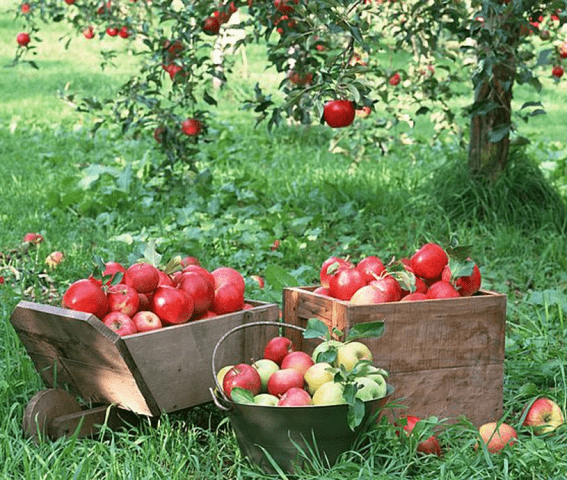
x: 148, y: 373
x: 445, y: 357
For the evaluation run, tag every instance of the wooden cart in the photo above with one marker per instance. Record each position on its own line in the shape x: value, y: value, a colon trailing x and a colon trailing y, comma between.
x: 93, y: 376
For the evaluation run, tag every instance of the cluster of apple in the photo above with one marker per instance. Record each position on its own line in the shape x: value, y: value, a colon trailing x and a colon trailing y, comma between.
x: 428, y: 274
x: 143, y: 297
x: 288, y: 377
x: 541, y: 416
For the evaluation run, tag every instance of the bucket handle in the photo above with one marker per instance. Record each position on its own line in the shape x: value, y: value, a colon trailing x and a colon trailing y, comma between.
x: 219, y: 389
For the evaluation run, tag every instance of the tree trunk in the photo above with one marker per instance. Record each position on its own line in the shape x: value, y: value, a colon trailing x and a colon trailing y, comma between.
x: 490, y: 128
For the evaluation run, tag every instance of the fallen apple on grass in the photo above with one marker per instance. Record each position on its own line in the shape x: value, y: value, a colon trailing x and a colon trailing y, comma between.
x: 428, y: 446
x: 543, y: 416
x: 496, y: 436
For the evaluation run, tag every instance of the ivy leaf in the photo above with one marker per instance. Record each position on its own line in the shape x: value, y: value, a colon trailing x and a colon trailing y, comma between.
x: 365, y: 330
x: 316, y: 329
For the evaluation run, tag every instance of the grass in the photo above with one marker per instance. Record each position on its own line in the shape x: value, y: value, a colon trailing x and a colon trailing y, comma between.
x: 287, y: 186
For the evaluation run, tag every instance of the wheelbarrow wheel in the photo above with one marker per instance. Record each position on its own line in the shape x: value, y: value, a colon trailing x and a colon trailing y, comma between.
x: 44, y: 407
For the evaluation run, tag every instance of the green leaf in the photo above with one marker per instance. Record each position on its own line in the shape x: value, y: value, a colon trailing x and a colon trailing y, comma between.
x: 279, y: 277
x: 365, y: 330
x: 240, y: 395
x: 151, y: 255
x: 328, y: 356
x: 460, y: 267
x: 315, y: 329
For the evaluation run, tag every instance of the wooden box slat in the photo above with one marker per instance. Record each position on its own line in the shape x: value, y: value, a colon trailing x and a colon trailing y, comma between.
x: 148, y: 373
x: 437, y: 351
x: 176, y: 363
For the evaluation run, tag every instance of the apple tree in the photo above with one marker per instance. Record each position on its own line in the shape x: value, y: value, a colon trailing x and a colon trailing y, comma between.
x: 394, y: 60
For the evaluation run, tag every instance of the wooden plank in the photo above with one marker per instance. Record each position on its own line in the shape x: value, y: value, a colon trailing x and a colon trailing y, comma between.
x: 176, y: 361
x: 91, y: 358
x: 447, y: 393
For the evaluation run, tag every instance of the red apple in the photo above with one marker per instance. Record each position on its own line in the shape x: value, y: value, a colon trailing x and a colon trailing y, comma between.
x: 371, y: 267
x: 299, y: 361
x: 121, y: 323
x: 414, y: 296
x: 322, y: 291
x: 496, y: 436
x: 144, y: 302
x: 200, y: 289
x: 227, y: 299
x: 165, y: 279
x: 428, y: 446
x: 282, y: 380
x: 224, y: 275
x: 442, y: 289
x: 543, y: 416
x: 123, y: 298
x: 143, y: 277
x: 33, y: 238
x: 146, y: 321
x: 191, y: 127
x: 86, y: 296
x: 345, y: 282
x: 429, y: 261
x: 111, y: 269
x: 277, y: 348
x: 465, y: 285
x: 329, y: 268
x: 259, y: 280
x: 389, y: 288
x: 295, y: 397
x: 189, y: 260
x: 23, y: 39
x: 242, y: 376
x: 172, y: 305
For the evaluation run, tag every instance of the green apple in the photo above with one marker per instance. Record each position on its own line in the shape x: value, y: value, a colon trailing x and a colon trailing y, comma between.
x: 265, y: 368
x: 266, y: 399
x: 351, y: 353
x: 222, y: 372
x: 330, y: 393
x: 318, y: 374
x: 325, y: 346
x: 368, y: 389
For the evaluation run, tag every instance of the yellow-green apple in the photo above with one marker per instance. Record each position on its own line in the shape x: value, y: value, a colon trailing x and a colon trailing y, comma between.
x: 300, y: 361
x: 266, y: 399
x: 325, y: 347
x: 330, y: 393
x: 243, y: 376
x: 317, y: 375
x: 543, y: 416
x: 496, y: 436
x: 428, y: 446
x: 372, y: 371
x: 265, y: 368
x: 121, y: 323
x: 146, y: 321
x: 222, y: 372
x: 282, y: 380
x: 277, y: 348
x: 368, y: 389
x: 351, y: 353
x: 123, y: 298
x: 295, y: 397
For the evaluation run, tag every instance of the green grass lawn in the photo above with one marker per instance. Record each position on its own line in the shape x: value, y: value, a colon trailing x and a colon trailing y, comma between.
x: 282, y: 185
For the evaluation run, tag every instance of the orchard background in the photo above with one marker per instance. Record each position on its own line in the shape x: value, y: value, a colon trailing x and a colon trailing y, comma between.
x: 96, y: 157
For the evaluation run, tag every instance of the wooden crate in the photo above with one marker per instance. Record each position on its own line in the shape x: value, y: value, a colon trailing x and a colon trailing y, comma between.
x: 148, y: 373
x: 445, y: 357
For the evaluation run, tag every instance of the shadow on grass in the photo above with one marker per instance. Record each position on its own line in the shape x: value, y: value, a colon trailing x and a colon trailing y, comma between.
x: 521, y: 198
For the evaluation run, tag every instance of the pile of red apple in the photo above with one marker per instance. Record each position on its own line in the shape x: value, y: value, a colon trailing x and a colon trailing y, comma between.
x: 142, y: 297
x: 288, y: 377
x: 427, y: 274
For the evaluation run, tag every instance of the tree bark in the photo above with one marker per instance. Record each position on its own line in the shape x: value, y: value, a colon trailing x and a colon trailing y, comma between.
x: 488, y: 149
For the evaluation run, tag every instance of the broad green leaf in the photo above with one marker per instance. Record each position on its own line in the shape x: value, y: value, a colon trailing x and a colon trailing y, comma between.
x: 279, y: 277
x: 315, y: 329
x: 365, y: 330
x: 151, y: 255
x: 240, y: 395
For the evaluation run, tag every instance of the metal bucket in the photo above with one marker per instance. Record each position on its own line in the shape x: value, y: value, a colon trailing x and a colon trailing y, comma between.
x: 285, y: 437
